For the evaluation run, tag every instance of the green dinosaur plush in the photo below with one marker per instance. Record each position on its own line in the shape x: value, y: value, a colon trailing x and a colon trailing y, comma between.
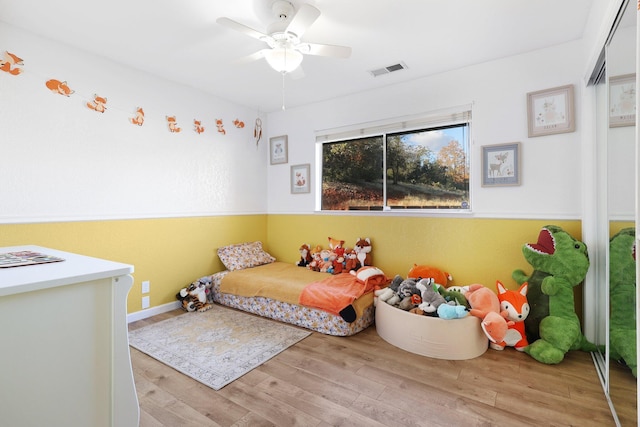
x: 560, y: 262
x: 622, y: 294
x: 453, y: 295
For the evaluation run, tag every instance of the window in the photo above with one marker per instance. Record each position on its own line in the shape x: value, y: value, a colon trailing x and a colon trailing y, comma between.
x: 425, y: 168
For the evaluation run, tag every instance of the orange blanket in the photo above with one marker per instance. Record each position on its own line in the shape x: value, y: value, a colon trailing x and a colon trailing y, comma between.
x: 334, y: 293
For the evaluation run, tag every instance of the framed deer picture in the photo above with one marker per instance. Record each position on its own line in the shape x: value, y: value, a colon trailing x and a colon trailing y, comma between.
x: 501, y: 165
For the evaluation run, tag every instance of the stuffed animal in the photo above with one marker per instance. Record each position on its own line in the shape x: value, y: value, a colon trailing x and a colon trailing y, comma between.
x: 622, y: 298
x: 560, y: 262
x: 316, y: 262
x: 326, y: 264
x: 431, y: 299
x: 514, y: 307
x: 485, y: 305
x: 425, y: 271
x: 384, y: 294
x: 363, y: 251
x: 452, y: 311
x: 409, y: 295
x: 194, y: 297
x: 453, y: 295
x: 405, y: 289
x: 338, y: 265
x: 305, y: 255
x: 351, y: 261
x: 372, y: 278
x: 337, y: 246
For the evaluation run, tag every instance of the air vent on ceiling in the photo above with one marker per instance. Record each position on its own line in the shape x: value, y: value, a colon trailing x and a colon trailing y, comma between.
x: 388, y: 69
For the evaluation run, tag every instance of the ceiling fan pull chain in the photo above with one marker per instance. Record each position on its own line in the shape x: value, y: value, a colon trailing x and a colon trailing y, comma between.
x: 283, y: 91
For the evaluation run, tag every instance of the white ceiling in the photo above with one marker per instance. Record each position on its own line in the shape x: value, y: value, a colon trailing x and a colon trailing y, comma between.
x: 180, y: 40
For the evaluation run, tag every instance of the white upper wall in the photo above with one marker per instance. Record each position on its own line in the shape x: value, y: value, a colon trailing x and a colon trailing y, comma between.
x: 498, y: 91
x: 62, y: 161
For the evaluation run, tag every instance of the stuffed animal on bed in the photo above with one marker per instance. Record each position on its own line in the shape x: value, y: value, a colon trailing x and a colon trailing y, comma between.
x: 560, y: 262
x: 622, y: 297
x: 350, y: 260
x: 305, y: 255
x: 337, y: 246
x: 194, y: 297
x: 363, y: 252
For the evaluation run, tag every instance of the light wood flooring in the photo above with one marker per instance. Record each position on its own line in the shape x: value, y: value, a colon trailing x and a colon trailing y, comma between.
x: 364, y: 381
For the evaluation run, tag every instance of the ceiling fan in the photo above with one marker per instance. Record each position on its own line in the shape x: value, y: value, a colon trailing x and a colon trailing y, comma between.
x: 285, y: 51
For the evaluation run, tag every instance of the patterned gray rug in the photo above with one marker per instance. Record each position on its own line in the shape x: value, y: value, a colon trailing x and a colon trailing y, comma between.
x: 217, y: 346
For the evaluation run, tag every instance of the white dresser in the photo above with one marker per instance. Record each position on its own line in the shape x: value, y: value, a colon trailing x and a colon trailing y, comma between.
x: 64, y: 348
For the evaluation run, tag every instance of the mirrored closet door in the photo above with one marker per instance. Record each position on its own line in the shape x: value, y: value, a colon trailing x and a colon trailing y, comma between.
x: 617, y: 191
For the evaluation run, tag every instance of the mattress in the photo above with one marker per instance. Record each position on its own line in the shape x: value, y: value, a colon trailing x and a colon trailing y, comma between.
x: 286, y: 311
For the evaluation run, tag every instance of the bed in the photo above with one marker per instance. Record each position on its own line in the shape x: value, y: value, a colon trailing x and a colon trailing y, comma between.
x: 256, y: 283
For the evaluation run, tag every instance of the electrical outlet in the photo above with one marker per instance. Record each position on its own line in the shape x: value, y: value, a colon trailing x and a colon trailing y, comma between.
x: 145, y: 302
x: 145, y: 287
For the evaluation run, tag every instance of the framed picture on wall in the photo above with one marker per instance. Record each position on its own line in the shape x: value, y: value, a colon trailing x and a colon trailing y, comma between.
x: 300, y: 179
x: 501, y: 165
x: 551, y: 111
x: 278, y: 150
x: 622, y: 100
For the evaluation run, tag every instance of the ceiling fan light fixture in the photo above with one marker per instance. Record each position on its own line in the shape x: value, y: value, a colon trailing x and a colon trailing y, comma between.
x: 282, y: 59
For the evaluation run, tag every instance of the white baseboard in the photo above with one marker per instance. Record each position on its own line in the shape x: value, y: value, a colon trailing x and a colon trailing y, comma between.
x: 143, y: 314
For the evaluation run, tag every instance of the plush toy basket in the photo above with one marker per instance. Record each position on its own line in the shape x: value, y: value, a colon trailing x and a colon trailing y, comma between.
x: 454, y: 339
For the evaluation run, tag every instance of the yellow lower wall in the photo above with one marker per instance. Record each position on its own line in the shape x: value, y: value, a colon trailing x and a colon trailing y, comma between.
x: 169, y: 253
x: 471, y: 250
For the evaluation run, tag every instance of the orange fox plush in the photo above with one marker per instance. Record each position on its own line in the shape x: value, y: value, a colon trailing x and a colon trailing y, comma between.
x: 513, y: 307
x: 425, y: 272
x: 363, y: 252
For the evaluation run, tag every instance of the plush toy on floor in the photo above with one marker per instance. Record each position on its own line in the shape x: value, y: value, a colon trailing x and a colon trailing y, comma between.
x: 560, y: 262
x: 486, y: 306
x: 194, y: 297
x: 622, y: 298
x: 515, y: 307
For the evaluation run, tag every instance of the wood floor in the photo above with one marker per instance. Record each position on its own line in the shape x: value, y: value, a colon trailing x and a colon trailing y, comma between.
x: 364, y: 381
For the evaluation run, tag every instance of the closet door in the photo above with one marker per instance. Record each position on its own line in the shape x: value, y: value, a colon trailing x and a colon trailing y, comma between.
x: 621, y: 214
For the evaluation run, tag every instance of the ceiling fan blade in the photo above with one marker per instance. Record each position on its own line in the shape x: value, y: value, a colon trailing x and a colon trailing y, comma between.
x: 303, y: 19
x: 229, y: 23
x: 250, y: 58
x: 324, y: 50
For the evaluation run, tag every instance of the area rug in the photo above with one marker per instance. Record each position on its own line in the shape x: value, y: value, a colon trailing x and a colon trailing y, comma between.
x: 217, y: 346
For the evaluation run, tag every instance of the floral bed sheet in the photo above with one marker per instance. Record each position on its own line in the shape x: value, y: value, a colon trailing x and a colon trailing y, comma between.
x: 306, y: 317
